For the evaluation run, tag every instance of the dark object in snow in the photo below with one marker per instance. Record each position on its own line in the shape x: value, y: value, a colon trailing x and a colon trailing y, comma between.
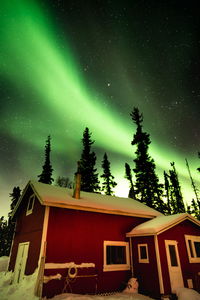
x: 132, y: 286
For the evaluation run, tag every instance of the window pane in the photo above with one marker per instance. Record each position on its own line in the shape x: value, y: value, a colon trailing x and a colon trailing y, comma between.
x: 173, y: 257
x: 197, y: 248
x: 116, y: 255
x: 190, y: 246
x: 30, y: 203
x: 143, y: 252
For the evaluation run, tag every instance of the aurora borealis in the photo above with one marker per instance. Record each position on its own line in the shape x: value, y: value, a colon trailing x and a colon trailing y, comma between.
x: 65, y: 65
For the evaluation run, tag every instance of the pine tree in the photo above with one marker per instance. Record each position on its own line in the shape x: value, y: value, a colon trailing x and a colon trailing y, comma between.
x: 176, y: 202
x: 46, y: 174
x: 108, y: 179
x: 188, y: 209
x: 3, y: 237
x: 198, y: 157
x: 148, y: 189
x: 128, y: 176
x: 195, y: 209
x: 167, y: 190
x: 89, y: 175
x: 7, y: 227
x: 15, y: 195
x: 64, y: 182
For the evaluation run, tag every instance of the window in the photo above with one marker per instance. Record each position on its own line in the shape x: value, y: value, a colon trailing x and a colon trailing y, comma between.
x: 172, y: 254
x: 143, y: 253
x: 193, y: 248
x: 116, y: 256
x: 30, y: 205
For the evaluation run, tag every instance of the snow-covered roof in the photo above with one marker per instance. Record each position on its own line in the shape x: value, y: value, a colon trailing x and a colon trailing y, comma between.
x: 62, y: 197
x: 160, y: 224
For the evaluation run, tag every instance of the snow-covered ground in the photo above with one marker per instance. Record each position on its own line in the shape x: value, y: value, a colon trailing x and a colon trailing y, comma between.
x: 96, y: 297
x: 25, y: 290
x: 3, y: 263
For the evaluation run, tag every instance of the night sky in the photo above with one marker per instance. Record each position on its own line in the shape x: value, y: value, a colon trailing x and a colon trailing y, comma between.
x: 65, y: 65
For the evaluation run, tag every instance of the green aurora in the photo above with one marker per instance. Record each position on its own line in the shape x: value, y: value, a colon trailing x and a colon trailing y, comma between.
x: 52, y: 95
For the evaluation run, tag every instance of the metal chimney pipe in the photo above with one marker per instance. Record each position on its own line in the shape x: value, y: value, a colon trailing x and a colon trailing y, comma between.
x: 77, y: 185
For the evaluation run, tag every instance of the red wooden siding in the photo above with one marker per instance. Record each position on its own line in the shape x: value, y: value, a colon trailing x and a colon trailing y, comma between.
x: 28, y: 229
x: 146, y: 273
x: 189, y: 270
x: 78, y: 236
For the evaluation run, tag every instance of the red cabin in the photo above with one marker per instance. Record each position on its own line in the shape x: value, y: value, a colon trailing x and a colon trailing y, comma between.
x: 168, y: 249
x: 93, y: 243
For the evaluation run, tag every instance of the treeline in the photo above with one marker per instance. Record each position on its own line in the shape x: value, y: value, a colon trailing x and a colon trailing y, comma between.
x: 89, y: 183
x: 87, y: 166
x: 144, y: 185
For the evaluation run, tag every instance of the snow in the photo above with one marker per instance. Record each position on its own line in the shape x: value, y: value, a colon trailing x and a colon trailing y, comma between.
x: 22, y: 291
x: 118, y: 296
x: 4, y: 263
x: 48, y: 278
x: 68, y: 265
x: 25, y: 290
x: 187, y: 294
x: 160, y: 223
x: 62, y: 197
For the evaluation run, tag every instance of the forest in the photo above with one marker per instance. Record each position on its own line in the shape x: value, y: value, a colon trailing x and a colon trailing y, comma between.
x: 144, y: 185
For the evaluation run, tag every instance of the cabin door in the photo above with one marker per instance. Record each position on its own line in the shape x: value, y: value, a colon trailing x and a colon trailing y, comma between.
x: 174, y: 266
x: 20, y: 263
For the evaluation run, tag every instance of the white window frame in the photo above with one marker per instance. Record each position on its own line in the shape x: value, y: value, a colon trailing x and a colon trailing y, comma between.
x: 116, y: 267
x: 193, y: 239
x: 143, y: 260
x: 29, y: 210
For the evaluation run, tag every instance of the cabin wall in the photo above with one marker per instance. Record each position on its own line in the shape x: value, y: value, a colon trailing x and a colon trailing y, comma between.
x: 189, y: 270
x: 78, y: 236
x: 28, y: 229
x: 146, y: 273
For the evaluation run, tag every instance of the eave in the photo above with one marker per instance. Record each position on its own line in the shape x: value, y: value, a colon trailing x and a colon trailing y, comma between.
x: 167, y: 227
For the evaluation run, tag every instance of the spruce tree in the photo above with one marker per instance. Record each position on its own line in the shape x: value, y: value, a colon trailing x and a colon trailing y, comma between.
x: 64, y: 182
x: 3, y: 237
x: 46, y: 174
x: 108, y: 179
x: 7, y: 227
x: 128, y: 176
x: 148, y: 189
x: 15, y: 195
x: 195, y: 209
x: 176, y: 202
x: 198, y: 169
x: 167, y: 188
x: 89, y: 175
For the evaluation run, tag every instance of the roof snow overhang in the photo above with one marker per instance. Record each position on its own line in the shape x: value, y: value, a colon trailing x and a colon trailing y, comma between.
x: 160, y: 224
x: 55, y: 196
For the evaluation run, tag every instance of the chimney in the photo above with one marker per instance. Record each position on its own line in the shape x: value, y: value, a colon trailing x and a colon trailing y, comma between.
x: 77, y: 184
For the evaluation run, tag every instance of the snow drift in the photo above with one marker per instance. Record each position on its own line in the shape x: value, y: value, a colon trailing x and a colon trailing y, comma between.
x: 25, y: 289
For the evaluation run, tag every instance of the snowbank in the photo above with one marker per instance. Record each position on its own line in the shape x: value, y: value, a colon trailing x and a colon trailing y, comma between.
x: 187, y: 294
x: 3, y: 263
x: 118, y: 296
x: 22, y: 291
x: 25, y: 290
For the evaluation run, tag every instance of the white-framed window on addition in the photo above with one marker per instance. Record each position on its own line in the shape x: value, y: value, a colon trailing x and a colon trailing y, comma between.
x: 30, y: 205
x: 143, y: 254
x: 116, y: 256
x: 193, y: 248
